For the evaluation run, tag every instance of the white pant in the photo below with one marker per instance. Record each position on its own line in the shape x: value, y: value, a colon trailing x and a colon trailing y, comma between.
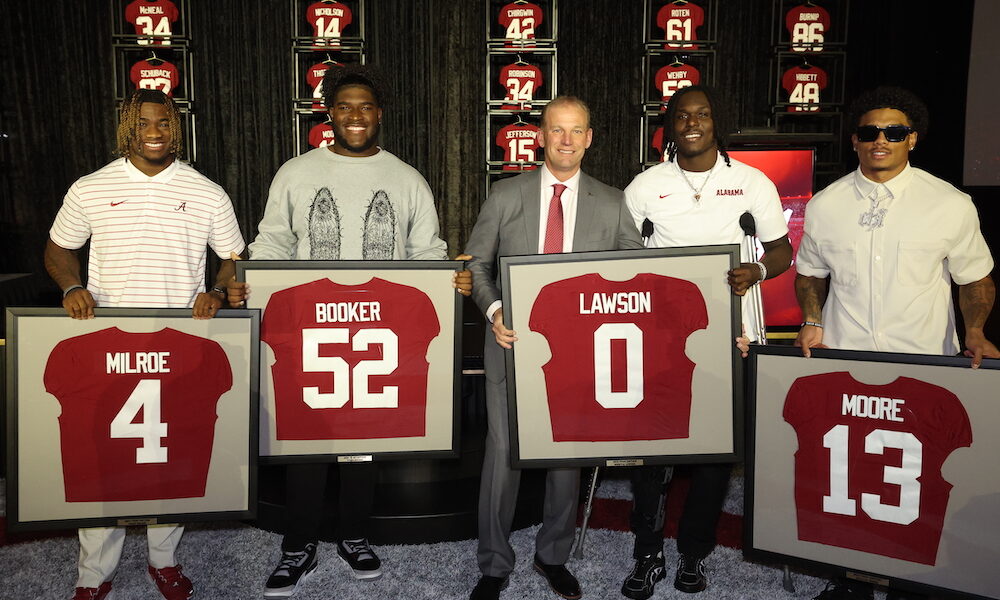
x: 101, y: 549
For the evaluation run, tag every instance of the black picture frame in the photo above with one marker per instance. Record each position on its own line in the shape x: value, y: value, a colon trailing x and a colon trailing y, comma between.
x: 715, y: 390
x: 961, y: 563
x: 442, y: 413
x: 37, y: 487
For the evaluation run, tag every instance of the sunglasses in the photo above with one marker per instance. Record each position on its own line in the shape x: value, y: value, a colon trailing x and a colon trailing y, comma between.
x: 893, y: 133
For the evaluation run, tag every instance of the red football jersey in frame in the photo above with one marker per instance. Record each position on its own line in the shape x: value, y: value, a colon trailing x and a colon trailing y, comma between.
x: 618, y: 369
x: 328, y: 20
x: 350, y: 360
x: 868, y: 465
x: 803, y: 84
x: 152, y: 17
x: 520, y: 20
x: 521, y: 82
x: 807, y: 26
x: 520, y: 145
x: 680, y: 21
x: 162, y: 76
x: 138, y: 413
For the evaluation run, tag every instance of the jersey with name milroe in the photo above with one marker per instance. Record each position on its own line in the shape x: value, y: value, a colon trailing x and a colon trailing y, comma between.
x: 149, y: 236
x: 618, y: 369
x: 868, y: 464
x: 138, y: 413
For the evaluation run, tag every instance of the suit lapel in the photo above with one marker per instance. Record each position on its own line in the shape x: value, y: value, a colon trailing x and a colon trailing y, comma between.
x: 531, y: 207
x: 584, y: 213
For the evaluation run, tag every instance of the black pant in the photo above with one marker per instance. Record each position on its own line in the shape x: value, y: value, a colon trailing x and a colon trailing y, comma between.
x: 702, y: 508
x: 305, y: 490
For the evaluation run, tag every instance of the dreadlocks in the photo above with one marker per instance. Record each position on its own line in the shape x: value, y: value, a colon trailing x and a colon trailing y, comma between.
x: 339, y: 76
x: 128, y: 120
x: 897, y: 98
x: 720, y: 120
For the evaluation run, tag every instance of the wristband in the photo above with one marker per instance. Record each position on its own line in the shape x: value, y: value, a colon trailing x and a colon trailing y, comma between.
x: 220, y: 290
x: 763, y: 270
x: 812, y: 323
x: 71, y: 288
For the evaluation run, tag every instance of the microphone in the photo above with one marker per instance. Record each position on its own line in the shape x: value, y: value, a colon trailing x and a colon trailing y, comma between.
x: 748, y: 224
x: 647, y: 231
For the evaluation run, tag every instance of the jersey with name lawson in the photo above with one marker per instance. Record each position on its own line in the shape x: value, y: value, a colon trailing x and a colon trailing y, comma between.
x: 807, y: 26
x: 328, y: 20
x: 868, y: 465
x: 520, y: 21
x: 804, y: 85
x: 314, y: 77
x: 152, y: 20
x: 680, y: 21
x: 350, y: 360
x: 321, y: 135
x: 138, y: 413
x: 673, y: 77
x: 520, y: 145
x: 618, y: 369
x: 521, y: 82
x: 161, y: 75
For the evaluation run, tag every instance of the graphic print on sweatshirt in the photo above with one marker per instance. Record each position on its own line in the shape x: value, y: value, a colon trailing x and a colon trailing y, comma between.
x: 326, y: 231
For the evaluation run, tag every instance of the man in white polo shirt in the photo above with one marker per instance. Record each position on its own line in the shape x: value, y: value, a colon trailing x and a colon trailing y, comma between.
x: 891, y: 238
x: 150, y: 219
x: 696, y: 197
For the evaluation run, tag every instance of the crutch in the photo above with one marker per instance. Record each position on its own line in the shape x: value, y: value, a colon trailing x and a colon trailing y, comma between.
x: 749, y: 226
x: 581, y: 538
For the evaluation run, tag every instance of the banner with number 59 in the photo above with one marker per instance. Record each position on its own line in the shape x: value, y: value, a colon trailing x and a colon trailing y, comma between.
x: 623, y: 357
x: 137, y: 416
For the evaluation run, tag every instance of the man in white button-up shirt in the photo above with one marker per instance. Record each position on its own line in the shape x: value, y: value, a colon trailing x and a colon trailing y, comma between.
x: 892, y: 238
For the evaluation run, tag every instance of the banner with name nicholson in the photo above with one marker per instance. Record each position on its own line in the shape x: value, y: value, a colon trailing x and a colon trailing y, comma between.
x: 879, y: 465
x: 134, y: 416
x: 623, y: 357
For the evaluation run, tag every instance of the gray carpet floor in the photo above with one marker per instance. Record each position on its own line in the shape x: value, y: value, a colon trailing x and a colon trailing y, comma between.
x: 232, y: 560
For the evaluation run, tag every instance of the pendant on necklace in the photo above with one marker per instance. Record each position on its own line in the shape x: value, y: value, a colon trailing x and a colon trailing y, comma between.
x: 697, y: 197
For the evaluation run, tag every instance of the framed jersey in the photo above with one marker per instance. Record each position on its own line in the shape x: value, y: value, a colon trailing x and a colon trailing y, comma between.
x: 875, y: 464
x: 359, y: 359
x: 138, y: 416
x: 623, y: 358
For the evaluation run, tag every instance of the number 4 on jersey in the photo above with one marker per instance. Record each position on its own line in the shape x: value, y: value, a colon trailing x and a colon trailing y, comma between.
x: 146, y: 398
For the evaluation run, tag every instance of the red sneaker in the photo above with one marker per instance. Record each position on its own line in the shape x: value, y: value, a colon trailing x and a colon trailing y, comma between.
x: 173, y: 584
x: 98, y: 593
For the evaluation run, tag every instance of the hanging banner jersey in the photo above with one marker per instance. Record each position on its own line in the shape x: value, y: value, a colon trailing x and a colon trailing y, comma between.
x: 680, y: 21
x: 321, y: 135
x: 868, y: 465
x: 520, y: 20
x: 673, y: 77
x: 161, y: 76
x: 519, y: 143
x: 618, y: 369
x: 138, y: 413
x: 328, y: 20
x: 807, y: 27
x: 803, y: 85
x: 314, y: 77
x: 152, y: 18
x: 521, y: 82
x: 350, y: 360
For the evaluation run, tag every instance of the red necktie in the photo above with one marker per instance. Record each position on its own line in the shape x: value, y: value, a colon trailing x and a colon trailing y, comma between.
x: 554, y: 224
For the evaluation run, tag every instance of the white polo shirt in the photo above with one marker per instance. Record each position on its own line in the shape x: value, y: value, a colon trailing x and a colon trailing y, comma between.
x: 148, y: 235
x: 890, y: 284
x: 662, y: 195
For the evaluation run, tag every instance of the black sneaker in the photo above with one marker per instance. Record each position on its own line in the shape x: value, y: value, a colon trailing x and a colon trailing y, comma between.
x: 690, y: 576
x: 293, y: 569
x: 842, y: 590
x: 360, y: 557
x: 647, y: 571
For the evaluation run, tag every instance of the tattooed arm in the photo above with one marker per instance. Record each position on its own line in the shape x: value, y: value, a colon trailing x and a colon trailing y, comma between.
x: 976, y: 301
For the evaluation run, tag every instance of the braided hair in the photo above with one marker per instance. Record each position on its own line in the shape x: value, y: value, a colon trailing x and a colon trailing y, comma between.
x: 128, y: 120
x: 720, y: 120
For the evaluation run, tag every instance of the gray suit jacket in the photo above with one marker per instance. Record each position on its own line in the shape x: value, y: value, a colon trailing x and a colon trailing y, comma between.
x: 508, y: 225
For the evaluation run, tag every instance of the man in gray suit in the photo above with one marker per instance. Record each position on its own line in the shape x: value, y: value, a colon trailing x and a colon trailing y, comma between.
x: 557, y: 208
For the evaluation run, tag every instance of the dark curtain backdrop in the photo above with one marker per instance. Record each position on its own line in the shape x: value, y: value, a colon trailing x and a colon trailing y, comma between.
x: 57, y: 110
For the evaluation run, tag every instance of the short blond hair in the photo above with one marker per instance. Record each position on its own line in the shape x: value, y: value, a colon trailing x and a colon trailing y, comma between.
x: 564, y: 100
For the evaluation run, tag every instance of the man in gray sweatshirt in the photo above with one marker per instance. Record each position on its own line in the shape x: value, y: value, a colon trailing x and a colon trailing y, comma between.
x: 349, y: 201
